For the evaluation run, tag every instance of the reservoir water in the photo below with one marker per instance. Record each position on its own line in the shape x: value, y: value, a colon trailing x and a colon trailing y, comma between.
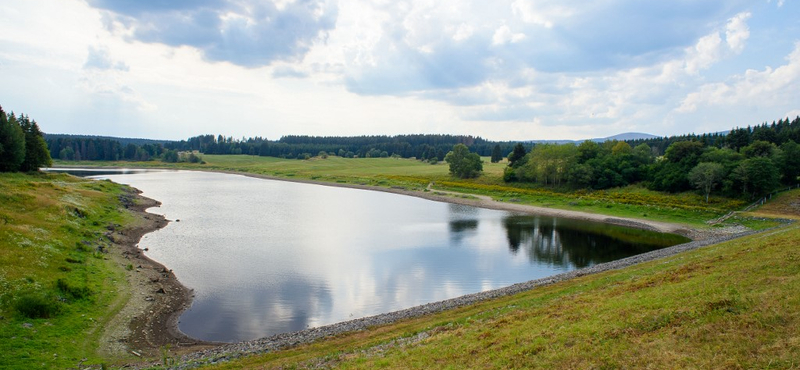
x: 267, y: 257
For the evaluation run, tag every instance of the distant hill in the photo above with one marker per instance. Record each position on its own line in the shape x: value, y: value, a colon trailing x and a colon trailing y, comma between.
x: 122, y: 140
x: 627, y: 136
x: 620, y: 137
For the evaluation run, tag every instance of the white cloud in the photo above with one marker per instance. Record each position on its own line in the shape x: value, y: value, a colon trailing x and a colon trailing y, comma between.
x: 737, y: 32
x: 769, y: 87
x: 99, y: 58
x: 541, y: 13
x: 504, y: 35
x: 463, y: 32
x: 705, y: 53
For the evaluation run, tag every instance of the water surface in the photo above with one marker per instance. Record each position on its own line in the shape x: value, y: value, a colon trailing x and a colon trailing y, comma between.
x: 267, y: 257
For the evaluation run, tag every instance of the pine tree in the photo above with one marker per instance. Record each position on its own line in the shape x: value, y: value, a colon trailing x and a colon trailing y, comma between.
x: 515, y: 156
x: 36, y: 153
x: 497, y: 155
x: 12, y: 143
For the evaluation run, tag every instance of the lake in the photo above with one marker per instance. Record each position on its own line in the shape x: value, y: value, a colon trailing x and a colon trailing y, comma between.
x: 267, y: 257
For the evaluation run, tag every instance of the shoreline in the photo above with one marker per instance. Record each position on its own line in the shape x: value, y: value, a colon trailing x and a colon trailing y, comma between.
x: 148, y: 317
x: 157, y: 298
x: 488, y: 203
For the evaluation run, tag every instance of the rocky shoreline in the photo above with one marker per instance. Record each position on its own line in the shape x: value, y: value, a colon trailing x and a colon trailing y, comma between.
x: 148, y: 320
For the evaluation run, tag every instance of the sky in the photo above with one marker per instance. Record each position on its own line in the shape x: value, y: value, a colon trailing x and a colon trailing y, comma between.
x: 503, y: 70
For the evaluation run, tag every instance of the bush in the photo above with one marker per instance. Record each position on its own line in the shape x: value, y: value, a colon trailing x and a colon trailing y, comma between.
x: 37, y: 306
x: 74, y: 292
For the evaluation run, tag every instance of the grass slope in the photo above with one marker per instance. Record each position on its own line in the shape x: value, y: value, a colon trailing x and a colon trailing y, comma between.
x: 731, y: 305
x: 57, y: 291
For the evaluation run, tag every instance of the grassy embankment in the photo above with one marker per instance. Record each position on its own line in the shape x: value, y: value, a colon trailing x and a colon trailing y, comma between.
x: 731, y: 305
x: 57, y: 291
x: 633, y: 201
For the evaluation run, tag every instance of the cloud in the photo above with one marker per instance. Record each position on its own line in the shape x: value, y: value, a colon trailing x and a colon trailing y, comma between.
x: 769, y: 87
x: 705, y: 53
x: 503, y: 35
x: 737, y: 32
x: 288, y: 72
x: 99, y: 58
x: 421, y: 46
x: 245, y: 33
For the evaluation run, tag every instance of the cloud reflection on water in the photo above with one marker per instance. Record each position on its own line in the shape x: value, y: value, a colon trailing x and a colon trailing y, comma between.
x: 266, y: 257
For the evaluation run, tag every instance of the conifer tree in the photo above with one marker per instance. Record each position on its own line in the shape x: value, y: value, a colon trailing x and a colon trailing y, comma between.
x: 36, y: 153
x: 12, y: 143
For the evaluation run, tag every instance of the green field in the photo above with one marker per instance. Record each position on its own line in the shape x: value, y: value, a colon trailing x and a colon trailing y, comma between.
x: 57, y: 291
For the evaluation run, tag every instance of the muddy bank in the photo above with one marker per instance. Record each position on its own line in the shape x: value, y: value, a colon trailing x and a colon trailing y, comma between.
x: 154, y: 299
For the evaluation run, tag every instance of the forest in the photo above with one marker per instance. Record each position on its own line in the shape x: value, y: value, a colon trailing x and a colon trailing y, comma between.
x: 423, y: 147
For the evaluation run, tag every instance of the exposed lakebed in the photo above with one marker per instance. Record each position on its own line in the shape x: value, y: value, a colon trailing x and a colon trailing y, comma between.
x: 267, y: 257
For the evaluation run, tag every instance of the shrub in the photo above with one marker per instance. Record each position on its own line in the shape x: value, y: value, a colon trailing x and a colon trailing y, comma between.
x: 37, y: 306
x: 74, y: 292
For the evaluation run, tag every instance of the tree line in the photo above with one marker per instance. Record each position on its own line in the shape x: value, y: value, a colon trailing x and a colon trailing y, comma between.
x: 777, y: 133
x: 422, y: 147
x: 431, y: 148
x: 744, y: 162
x: 22, y: 147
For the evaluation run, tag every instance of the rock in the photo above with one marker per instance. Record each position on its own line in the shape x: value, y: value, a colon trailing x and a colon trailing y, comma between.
x: 149, y: 299
x: 27, y: 325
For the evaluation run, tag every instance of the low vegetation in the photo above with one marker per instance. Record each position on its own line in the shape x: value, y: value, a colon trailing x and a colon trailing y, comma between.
x: 57, y: 288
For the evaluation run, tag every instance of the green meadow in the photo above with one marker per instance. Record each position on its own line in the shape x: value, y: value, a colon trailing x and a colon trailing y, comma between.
x: 57, y: 287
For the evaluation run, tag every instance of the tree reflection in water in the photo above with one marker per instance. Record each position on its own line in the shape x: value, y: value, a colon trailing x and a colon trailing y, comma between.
x: 564, y: 242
